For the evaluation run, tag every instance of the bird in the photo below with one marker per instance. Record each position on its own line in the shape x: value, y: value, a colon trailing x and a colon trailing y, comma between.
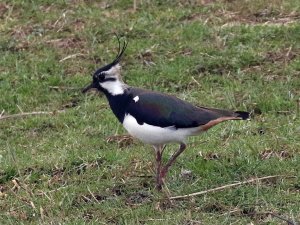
x: 155, y: 118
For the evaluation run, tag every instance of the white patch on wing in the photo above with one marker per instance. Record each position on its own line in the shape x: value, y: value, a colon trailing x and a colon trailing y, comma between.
x: 115, y: 87
x: 136, y: 98
x: 156, y: 135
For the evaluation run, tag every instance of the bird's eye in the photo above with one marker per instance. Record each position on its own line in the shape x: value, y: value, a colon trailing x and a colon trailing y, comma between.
x: 101, y: 77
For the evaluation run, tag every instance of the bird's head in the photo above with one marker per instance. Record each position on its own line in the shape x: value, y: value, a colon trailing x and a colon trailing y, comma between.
x: 107, y: 78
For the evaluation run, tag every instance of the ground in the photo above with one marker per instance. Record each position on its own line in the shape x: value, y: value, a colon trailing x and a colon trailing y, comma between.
x: 73, y: 165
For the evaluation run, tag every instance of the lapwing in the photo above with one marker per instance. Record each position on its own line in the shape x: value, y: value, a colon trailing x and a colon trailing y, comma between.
x: 155, y: 118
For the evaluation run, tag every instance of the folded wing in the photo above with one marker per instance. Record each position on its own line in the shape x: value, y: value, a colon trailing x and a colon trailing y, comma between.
x: 164, y: 111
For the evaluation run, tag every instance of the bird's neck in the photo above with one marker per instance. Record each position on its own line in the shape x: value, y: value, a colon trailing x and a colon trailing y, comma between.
x: 118, y: 103
x: 114, y: 87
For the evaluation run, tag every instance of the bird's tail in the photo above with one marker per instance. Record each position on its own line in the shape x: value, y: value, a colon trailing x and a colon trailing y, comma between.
x: 239, y: 115
x: 242, y: 114
x: 224, y: 115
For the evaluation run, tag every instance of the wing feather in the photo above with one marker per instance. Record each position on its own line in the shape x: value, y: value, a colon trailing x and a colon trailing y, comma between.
x: 165, y: 111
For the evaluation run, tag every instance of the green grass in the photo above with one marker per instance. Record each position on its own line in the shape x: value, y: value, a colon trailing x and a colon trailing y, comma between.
x: 60, y: 169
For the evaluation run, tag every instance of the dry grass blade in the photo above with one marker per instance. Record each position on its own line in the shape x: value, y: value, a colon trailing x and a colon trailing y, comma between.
x: 224, y: 187
x: 281, y: 218
x: 30, y: 114
x: 63, y: 88
x: 71, y: 56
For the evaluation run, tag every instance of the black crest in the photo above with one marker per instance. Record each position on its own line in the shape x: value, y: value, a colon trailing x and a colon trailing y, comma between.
x: 99, y: 75
x: 117, y: 59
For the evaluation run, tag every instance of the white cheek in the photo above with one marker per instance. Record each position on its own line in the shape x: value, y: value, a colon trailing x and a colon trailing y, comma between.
x: 114, y: 70
x: 113, y: 87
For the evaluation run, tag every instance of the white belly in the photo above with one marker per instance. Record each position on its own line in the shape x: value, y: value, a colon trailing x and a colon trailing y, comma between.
x: 156, y: 135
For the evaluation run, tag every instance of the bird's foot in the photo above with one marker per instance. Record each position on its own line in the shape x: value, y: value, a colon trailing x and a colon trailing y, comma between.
x: 160, y: 178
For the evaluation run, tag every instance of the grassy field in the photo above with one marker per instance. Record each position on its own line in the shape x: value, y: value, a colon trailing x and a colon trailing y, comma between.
x: 73, y: 166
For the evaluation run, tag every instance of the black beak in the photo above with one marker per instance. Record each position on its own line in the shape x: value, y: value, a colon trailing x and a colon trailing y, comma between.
x: 87, y: 88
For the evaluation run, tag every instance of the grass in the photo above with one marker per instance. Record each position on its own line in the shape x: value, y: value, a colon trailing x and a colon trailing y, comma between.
x: 60, y: 169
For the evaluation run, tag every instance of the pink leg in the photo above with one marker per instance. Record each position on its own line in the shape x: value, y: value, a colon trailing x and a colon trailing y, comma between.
x: 165, y: 169
x: 158, y: 156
